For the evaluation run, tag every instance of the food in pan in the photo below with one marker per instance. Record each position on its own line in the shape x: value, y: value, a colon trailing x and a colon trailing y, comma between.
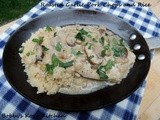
x: 75, y: 57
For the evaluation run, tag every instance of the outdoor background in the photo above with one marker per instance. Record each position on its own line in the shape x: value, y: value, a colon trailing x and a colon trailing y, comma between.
x: 13, y: 9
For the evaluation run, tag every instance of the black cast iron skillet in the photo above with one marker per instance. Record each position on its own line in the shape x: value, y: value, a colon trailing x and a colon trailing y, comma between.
x: 13, y: 68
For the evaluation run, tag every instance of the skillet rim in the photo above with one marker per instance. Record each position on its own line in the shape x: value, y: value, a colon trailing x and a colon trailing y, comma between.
x: 91, y: 108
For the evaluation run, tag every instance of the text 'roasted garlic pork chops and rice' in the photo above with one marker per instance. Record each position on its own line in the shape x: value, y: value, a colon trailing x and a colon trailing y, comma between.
x: 75, y: 59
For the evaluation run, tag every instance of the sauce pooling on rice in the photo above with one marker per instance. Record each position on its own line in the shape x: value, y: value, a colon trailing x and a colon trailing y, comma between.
x: 75, y: 57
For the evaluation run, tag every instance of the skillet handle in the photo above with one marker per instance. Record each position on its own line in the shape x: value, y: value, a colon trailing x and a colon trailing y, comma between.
x: 153, y: 42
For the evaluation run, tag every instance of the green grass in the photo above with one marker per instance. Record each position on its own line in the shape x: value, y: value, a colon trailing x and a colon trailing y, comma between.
x: 13, y: 9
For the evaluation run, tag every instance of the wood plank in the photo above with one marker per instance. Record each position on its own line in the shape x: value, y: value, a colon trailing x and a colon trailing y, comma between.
x: 152, y: 91
x: 156, y: 9
x: 153, y: 112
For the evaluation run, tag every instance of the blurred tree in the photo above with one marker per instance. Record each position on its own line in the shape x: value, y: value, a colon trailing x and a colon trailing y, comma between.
x: 13, y: 9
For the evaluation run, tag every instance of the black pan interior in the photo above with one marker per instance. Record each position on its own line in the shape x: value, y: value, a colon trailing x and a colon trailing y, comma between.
x: 13, y: 68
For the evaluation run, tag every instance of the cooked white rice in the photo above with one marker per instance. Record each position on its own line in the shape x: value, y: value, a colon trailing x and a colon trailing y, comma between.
x: 84, y: 53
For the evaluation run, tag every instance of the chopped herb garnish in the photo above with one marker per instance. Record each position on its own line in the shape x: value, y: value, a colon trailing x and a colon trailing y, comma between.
x: 49, y: 68
x: 55, y: 63
x: 100, y: 71
x: 44, y: 48
x: 119, y: 51
x: 83, y: 32
x: 106, y: 47
x: 55, y: 60
x: 90, y: 57
x: 121, y: 42
x: 32, y: 53
x: 123, y: 51
x: 106, y: 34
x: 86, y: 43
x: 115, y: 42
x: 109, y: 65
x: 103, y: 53
x: 102, y: 75
x: 94, y: 40
x: 80, y: 37
x: 115, y: 51
x: 49, y: 29
x: 55, y: 34
x: 101, y: 40
x: 21, y: 49
x: 88, y: 35
x: 28, y: 54
x: 38, y: 40
x: 73, y: 51
x: 58, y: 47
x: 66, y: 64
x: 79, y: 53
x: 90, y: 45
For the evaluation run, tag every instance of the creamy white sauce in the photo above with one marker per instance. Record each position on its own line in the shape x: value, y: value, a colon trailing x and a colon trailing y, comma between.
x: 84, y: 50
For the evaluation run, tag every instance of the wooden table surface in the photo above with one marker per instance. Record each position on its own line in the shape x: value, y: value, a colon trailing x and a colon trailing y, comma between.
x: 150, y: 105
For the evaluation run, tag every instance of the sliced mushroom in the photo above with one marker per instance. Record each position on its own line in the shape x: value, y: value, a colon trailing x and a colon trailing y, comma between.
x: 92, y: 57
x: 101, y: 31
x: 71, y: 41
x: 97, y: 48
x: 55, y: 40
x: 84, y: 69
x: 78, y: 65
x: 39, y: 53
x: 87, y: 72
x: 94, y: 66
